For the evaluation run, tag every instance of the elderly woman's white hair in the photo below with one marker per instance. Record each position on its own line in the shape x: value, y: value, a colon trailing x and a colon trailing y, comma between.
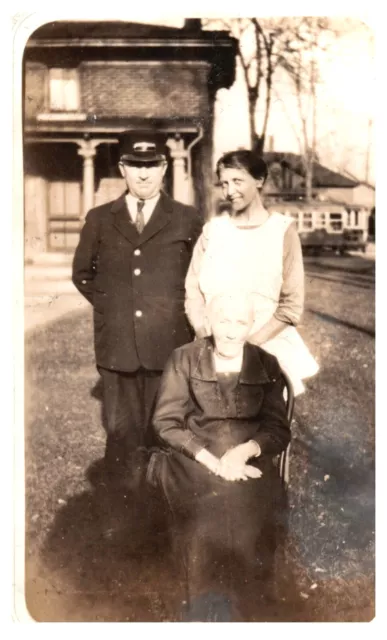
x: 236, y: 301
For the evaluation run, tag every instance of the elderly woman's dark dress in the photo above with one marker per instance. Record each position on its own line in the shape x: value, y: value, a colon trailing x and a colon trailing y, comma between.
x: 219, y: 525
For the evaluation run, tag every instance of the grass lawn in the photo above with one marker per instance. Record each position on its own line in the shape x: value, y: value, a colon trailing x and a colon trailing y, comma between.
x: 76, y: 573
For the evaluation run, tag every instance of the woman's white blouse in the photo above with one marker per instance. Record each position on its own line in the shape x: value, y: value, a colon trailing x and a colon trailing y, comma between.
x: 264, y: 262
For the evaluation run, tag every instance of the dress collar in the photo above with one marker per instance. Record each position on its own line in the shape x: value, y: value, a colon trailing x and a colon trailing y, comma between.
x: 252, y: 372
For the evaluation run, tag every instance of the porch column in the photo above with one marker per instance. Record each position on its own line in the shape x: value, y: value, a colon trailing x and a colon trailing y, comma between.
x: 88, y: 151
x: 181, y: 179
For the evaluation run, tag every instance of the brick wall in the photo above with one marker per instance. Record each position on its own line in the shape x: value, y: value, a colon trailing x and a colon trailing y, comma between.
x: 114, y: 89
x: 35, y: 81
x: 144, y: 89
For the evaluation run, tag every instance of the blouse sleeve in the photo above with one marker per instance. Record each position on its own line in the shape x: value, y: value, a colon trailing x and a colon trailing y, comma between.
x: 194, y: 299
x: 291, y: 302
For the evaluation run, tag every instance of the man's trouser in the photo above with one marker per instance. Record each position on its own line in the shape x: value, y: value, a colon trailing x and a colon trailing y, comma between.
x: 128, y: 404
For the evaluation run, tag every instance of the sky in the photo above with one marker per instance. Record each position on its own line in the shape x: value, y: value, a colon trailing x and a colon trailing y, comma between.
x: 345, y: 109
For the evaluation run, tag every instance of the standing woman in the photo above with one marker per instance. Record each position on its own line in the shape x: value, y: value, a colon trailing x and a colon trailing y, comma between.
x: 258, y: 253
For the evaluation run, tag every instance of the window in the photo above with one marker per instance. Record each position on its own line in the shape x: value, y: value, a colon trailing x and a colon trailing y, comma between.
x: 63, y: 89
x: 352, y: 218
x: 336, y: 221
x: 321, y: 220
x: 295, y: 216
x: 307, y: 222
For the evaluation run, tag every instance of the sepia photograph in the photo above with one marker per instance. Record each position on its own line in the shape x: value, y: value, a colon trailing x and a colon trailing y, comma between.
x: 198, y: 228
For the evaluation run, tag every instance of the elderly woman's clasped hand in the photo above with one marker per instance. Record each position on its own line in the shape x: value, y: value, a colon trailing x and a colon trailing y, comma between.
x: 232, y: 472
x: 232, y: 465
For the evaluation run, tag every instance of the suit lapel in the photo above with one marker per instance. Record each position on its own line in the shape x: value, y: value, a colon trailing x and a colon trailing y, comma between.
x: 160, y: 217
x: 122, y: 220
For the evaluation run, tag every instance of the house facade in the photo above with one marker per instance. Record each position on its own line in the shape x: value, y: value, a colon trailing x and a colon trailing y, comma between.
x: 337, y: 199
x: 84, y: 83
x: 286, y: 179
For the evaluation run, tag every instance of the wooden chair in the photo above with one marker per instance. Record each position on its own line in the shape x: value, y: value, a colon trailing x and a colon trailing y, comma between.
x: 283, y: 459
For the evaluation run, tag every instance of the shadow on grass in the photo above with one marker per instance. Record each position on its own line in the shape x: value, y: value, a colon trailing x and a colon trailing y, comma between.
x: 347, y: 264
x: 107, y: 558
x: 96, y: 392
x: 112, y: 552
x: 350, y: 280
x: 334, y: 320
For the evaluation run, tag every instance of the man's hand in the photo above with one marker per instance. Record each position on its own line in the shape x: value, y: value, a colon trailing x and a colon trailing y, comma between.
x: 238, y: 456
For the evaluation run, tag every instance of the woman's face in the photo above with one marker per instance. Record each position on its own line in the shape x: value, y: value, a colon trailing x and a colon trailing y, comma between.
x: 231, y: 324
x: 239, y: 187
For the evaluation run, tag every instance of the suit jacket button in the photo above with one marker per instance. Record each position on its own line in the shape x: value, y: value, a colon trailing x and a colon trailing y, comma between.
x: 138, y: 314
x: 137, y: 252
x: 137, y: 272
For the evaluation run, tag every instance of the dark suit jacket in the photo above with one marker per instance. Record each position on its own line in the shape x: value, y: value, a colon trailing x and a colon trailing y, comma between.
x: 138, y: 319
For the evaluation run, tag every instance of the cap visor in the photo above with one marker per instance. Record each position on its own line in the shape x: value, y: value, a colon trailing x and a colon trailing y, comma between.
x: 142, y: 157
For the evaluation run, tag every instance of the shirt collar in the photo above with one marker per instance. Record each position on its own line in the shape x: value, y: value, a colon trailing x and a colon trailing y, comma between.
x: 149, y: 205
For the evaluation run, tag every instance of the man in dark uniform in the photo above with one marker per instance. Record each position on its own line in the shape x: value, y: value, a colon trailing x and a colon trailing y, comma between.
x: 130, y: 264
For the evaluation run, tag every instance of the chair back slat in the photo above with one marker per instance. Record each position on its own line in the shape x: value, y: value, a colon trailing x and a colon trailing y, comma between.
x: 283, y: 463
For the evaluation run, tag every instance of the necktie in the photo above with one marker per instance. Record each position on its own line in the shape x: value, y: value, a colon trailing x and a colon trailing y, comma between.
x: 140, y: 222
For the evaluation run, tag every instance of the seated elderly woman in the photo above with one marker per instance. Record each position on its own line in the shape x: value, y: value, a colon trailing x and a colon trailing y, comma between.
x: 221, y: 417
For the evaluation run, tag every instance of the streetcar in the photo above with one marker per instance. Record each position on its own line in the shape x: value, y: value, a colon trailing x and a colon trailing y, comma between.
x: 327, y: 226
x: 322, y: 226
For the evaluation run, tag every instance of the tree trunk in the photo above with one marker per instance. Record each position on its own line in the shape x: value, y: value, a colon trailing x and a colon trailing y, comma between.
x: 258, y: 144
x: 252, y: 104
x: 309, y: 175
x: 368, y: 151
x: 309, y: 182
x: 312, y: 151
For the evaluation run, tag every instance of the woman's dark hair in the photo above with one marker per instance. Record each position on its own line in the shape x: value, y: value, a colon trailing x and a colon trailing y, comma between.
x: 243, y: 159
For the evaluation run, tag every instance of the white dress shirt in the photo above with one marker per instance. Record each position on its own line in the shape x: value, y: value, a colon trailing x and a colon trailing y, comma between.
x: 148, y: 208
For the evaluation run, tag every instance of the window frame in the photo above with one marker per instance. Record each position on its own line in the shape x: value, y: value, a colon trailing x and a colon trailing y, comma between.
x: 63, y: 107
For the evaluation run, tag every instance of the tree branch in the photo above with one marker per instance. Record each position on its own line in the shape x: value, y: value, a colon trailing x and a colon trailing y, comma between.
x: 269, y: 81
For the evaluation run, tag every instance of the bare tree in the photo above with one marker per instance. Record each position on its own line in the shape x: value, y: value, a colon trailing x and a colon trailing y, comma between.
x: 302, y: 63
x: 258, y: 68
x: 295, y: 44
x: 369, y: 149
x: 259, y: 52
x: 265, y: 44
x: 370, y: 123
